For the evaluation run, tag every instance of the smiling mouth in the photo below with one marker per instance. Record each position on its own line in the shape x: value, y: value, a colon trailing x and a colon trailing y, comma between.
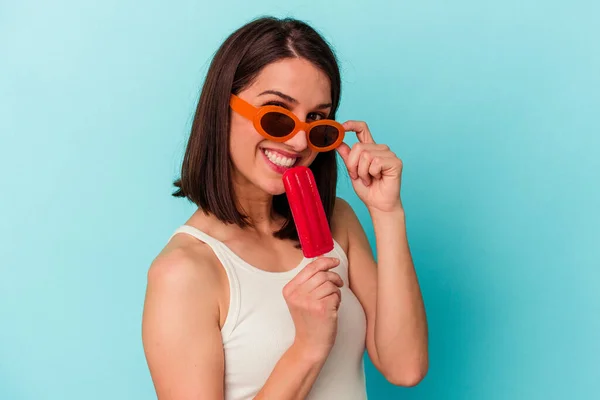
x: 279, y: 159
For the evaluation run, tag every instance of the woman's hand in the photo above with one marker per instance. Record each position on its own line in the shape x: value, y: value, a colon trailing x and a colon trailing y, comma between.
x: 374, y: 169
x: 313, y: 298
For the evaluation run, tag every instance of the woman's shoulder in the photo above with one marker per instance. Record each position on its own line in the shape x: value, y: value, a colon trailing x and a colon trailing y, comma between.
x: 343, y: 213
x: 342, y: 206
x: 342, y: 218
x: 186, y: 264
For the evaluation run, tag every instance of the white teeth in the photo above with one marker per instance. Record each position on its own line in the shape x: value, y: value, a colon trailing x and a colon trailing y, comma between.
x: 280, y: 160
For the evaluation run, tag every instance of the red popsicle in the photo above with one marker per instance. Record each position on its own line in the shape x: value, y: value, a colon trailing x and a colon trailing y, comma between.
x: 307, y: 211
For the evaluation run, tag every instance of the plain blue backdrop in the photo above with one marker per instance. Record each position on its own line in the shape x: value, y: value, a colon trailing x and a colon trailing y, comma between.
x: 494, y: 108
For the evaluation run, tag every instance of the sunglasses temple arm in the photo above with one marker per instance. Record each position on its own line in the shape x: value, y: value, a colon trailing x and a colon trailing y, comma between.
x: 242, y: 107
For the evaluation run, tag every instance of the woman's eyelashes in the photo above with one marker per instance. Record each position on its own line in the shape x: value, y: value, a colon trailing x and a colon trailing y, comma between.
x: 315, y: 116
x: 312, y: 116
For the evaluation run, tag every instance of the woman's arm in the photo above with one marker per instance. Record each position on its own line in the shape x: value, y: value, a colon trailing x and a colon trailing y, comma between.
x: 293, y: 375
x: 389, y: 291
x: 182, y: 338
x: 390, y: 294
x: 180, y: 328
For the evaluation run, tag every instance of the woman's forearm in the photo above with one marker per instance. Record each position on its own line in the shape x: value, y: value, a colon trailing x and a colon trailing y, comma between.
x: 293, y: 375
x: 400, y: 324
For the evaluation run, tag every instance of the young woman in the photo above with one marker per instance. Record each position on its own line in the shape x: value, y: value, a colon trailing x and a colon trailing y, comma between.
x: 233, y: 310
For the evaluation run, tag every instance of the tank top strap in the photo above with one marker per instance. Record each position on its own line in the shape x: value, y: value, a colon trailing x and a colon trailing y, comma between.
x: 198, y: 234
x: 224, y: 255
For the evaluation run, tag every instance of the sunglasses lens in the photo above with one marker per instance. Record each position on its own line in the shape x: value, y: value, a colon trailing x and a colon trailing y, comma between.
x: 277, y: 124
x: 323, y: 135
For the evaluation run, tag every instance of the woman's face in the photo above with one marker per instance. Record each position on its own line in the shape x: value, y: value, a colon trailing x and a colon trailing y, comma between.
x: 302, y: 88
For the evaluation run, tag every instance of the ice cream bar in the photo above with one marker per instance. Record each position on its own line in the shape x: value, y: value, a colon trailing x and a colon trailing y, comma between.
x: 307, y: 211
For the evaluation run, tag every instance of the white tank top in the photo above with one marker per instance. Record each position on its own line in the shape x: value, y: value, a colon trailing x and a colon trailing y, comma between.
x: 259, y: 329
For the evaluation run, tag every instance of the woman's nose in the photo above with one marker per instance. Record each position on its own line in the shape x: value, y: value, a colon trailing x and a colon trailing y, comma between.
x: 298, y: 142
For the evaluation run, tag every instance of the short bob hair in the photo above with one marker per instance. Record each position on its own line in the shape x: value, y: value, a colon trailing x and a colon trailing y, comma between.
x: 206, y: 176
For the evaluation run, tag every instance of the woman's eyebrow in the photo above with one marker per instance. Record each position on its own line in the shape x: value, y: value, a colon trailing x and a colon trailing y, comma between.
x: 291, y: 99
x: 282, y: 95
x: 323, y: 106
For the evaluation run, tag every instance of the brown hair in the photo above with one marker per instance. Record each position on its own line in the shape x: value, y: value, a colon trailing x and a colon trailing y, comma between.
x: 206, y: 177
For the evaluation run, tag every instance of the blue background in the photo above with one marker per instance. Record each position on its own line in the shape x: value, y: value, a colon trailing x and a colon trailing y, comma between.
x: 493, y: 106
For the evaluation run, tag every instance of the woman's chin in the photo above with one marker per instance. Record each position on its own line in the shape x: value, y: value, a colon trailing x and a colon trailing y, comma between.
x: 273, y: 187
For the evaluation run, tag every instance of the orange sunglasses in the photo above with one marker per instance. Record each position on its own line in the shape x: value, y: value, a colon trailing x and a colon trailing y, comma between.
x: 279, y: 125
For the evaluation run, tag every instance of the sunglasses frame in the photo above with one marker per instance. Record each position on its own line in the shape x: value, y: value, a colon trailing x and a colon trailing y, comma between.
x: 255, y: 115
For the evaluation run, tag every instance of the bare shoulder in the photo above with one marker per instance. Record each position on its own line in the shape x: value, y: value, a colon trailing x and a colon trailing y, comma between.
x: 339, y: 228
x: 347, y: 226
x: 185, y: 263
x: 186, y: 275
x: 342, y: 208
x: 344, y: 222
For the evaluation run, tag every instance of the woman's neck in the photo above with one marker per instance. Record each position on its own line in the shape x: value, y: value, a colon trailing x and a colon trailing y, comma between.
x: 259, y: 210
x: 257, y: 205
